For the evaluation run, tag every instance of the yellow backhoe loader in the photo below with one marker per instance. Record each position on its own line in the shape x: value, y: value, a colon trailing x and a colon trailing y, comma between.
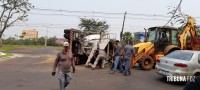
x: 162, y: 40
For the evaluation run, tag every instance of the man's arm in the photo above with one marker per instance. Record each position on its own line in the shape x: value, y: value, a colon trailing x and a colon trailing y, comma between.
x: 72, y: 62
x: 133, y: 52
x: 123, y: 50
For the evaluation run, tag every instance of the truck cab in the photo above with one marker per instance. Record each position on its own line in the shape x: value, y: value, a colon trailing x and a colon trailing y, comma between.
x: 162, y: 37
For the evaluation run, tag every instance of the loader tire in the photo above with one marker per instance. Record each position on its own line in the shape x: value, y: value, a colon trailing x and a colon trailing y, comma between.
x: 147, y: 63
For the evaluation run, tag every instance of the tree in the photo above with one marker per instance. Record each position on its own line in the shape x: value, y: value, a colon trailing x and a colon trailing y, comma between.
x: 12, y: 11
x: 33, y: 41
x: 93, y: 25
x: 178, y: 17
x: 51, y: 41
x: 41, y: 41
x: 127, y: 36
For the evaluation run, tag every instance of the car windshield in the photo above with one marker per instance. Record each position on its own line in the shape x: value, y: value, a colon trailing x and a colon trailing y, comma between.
x: 180, y: 55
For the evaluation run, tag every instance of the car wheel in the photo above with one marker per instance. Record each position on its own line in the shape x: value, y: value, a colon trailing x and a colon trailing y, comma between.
x: 147, y: 63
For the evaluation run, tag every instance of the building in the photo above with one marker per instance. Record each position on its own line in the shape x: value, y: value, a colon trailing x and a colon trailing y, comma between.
x: 29, y: 34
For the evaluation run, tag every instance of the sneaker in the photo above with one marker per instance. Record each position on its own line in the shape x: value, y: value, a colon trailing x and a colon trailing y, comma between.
x: 112, y: 72
x: 126, y: 74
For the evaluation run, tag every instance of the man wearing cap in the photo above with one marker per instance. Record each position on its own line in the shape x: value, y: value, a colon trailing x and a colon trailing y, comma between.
x: 64, y: 61
x: 117, y: 55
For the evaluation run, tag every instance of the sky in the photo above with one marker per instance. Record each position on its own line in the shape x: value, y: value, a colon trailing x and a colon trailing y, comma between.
x: 140, y: 14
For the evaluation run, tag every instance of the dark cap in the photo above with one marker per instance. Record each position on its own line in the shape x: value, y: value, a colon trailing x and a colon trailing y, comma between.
x: 117, y: 41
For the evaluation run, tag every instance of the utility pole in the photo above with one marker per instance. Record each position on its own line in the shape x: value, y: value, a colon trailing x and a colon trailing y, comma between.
x: 121, y: 33
x: 46, y: 37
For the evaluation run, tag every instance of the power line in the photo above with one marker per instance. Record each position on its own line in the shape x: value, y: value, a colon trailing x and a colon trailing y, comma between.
x: 174, y: 13
x: 73, y: 15
x: 148, y: 15
x: 95, y: 16
x: 85, y: 12
x: 58, y: 25
x: 93, y: 12
x: 38, y: 26
x: 51, y: 25
x: 147, y: 19
x: 43, y: 26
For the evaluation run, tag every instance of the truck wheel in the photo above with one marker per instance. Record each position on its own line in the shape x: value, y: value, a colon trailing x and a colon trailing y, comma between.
x: 147, y: 63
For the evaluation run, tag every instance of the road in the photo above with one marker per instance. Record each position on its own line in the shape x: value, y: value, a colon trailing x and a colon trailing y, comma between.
x: 31, y: 70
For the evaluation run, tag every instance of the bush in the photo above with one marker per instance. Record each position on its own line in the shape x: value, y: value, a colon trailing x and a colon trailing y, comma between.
x: 40, y: 41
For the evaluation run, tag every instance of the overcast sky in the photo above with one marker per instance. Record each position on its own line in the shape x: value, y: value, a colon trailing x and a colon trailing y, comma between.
x: 137, y: 18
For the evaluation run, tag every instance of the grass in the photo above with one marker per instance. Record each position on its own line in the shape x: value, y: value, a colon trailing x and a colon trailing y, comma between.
x: 7, y: 48
x: 59, y: 48
x: 6, y: 55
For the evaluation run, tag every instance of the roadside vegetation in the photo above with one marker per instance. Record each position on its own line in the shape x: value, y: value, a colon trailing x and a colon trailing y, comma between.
x: 7, y: 48
x: 51, y: 41
x: 13, y: 43
x: 6, y: 55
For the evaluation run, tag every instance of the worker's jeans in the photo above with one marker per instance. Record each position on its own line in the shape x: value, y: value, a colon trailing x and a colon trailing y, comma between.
x: 64, y: 78
x: 127, y: 66
x: 117, y: 61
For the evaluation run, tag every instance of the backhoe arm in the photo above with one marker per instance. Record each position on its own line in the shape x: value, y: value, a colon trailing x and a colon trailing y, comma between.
x: 188, y: 28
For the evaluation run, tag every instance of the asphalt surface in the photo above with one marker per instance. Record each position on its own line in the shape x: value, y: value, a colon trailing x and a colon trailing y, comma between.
x: 31, y: 70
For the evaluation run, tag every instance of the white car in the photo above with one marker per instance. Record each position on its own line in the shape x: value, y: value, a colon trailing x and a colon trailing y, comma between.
x: 179, y: 63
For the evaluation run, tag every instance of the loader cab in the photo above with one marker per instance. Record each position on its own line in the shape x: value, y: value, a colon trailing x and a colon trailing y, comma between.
x: 162, y: 36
